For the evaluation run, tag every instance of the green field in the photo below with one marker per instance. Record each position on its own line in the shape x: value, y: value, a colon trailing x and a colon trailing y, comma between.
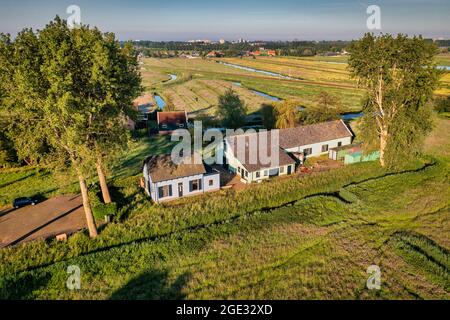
x: 316, y: 246
x: 316, y: 71
x: 443, y: 59
x: 201, y: 81
x: 295, y: 238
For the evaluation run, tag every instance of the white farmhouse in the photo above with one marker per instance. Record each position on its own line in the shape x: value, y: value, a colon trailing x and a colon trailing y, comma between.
x: 257, y: 156
x: 164, y: 180
x: 293, y: 144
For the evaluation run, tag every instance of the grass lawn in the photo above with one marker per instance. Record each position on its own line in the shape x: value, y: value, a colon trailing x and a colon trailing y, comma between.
x: 293, y: 238
x: 200, y: 81
x: 438, y: 143
x: 307, y: 237
x: 315, y: 247
x: 33, y: 182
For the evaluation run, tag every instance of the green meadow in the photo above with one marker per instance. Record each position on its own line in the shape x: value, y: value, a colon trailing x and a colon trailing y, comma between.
x: 302, y: 237
x: 314, y: 242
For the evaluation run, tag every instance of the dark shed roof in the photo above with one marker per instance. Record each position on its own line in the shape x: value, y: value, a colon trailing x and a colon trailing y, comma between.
x: 162, y: 168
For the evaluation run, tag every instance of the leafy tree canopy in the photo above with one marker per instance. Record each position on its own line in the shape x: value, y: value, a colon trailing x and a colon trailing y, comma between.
x: 399, y: 76
x: 328, y: 108
x: 287, y: 114
x: 68, y: 94
x: 231, y: 110
x: 269, y: 116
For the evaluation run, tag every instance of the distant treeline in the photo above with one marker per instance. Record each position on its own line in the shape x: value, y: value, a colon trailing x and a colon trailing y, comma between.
x: 283, y: 48
x: 442, y: 43
x: 292, y: 48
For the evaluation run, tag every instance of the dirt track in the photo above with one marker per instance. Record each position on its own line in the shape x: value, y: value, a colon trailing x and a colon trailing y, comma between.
x: 62, y: 214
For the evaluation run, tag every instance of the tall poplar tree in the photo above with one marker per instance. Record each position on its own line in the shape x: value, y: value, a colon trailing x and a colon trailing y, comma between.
x: 399, y: 75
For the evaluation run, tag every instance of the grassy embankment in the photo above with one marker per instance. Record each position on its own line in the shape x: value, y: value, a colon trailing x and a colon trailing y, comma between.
x: 304, y: 242
x: 312, y: 237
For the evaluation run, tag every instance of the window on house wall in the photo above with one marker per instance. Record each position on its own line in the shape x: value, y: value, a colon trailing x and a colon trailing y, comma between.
x: 211, y: 183
x: 195, y: 185
x: 339, y: 144
x: 266, y: 173
x: 281, y: 169
x: 324, y: 148
x: 307, y: 151
x: 165, y: 191
x: 246, y: 173
x: 258, y: 174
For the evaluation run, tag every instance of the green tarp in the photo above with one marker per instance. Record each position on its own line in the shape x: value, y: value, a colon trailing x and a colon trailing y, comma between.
x: 359, y: 157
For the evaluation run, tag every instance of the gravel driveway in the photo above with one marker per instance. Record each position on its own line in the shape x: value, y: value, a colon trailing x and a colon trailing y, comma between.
x: 61, y: 214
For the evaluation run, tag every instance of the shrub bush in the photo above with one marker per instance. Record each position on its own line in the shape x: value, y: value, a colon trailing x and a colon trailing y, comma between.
x: 100, y: 209
x: 104, y: 209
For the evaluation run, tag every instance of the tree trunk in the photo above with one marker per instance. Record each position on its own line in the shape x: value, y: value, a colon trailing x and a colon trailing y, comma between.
x: 383, y: 144
x: 87, y: 207
x: 103, y: 184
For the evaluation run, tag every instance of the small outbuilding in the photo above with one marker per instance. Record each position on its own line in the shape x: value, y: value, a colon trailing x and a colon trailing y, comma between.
x: 169, y: 121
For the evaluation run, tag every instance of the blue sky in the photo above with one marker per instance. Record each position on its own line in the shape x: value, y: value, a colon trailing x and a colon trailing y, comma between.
x: 231, y: 19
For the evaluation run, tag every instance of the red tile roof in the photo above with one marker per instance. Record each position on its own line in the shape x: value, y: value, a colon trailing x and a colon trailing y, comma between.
x: 172, y: 117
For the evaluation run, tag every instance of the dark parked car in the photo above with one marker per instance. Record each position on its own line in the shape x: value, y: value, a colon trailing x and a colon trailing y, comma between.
x: 21, y: 202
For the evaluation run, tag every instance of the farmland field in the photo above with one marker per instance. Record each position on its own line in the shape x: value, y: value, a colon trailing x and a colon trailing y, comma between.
x: 310, y: 70
x: 200, y: 81
x: 445, y: 85
x: 43, y: 182
x: 443, y: 59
